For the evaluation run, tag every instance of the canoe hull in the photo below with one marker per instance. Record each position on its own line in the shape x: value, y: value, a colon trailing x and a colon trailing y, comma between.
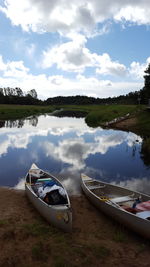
x: 57, y: 215
x: 130, y: 220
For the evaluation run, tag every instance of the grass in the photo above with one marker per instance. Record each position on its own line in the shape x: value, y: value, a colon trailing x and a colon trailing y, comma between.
x: 8, y: 112
x: 29, y: 240
x: 142, y: 248
x: 39, y: 252
x: 61, y: 262
x: 36, y: 229
x: 143, y: 126
x: 3, y: 222
x: 98, y: 114
x: 109, y: 112
x: 100, y: 251
x: 120, y: 236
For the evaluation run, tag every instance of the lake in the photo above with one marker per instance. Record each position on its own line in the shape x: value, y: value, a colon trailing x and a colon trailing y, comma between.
x: 66, y: 147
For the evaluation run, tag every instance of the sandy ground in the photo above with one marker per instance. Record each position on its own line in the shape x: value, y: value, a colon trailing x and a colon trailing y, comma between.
x: 127, y: 124
x: 96, y: 240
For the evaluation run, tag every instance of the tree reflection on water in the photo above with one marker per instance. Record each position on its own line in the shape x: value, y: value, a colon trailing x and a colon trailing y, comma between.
x: 145, y: 151
x: 33, y: 121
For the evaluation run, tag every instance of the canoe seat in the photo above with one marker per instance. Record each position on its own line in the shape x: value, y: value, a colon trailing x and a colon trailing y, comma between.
x: 123, y: 199
x: 95, y: 186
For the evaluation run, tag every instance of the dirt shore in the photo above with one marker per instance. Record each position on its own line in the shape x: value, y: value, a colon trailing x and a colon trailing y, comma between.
x: 126, y: 125
x: 96, y: 240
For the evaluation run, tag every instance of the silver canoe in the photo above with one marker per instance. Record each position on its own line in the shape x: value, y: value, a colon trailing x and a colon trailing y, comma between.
x: 58, y: 214
x: 130, y: 208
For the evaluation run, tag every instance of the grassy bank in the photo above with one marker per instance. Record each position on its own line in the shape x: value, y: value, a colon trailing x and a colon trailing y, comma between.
x: 137, y: 122
x: 8, y: 112
x: 107, y: 113
x: 96, y: 240
x: 143, y: 123
x: 99, y: 114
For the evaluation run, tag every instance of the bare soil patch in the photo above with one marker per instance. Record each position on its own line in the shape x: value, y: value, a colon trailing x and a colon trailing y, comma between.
x: 127, y: 124
x: 96, y: 240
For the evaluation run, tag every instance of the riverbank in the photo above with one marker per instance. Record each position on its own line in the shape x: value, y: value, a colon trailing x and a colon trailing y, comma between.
x: 138, y: 123
x: 12, y: 112
x: 135, y: 118
x: 28, y: 240
x: 95, y: 115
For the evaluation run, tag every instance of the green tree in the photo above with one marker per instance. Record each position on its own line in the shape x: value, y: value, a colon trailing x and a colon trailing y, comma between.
x: 32, y: 93
x: 145, y: 92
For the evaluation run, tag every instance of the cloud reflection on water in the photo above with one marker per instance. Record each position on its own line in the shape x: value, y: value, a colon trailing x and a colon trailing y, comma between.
x: 20, y: 185
x: 67, y: 146
x: 140, y: 185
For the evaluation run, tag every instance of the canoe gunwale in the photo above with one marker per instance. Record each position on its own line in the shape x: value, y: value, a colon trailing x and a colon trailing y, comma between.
x: 60, y: 215
x: 130, y: 220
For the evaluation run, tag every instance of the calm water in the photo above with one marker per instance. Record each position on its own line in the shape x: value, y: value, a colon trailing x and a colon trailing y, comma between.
x: 66, y: 147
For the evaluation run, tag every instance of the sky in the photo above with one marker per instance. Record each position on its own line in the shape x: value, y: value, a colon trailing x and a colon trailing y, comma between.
x: 98, y: 48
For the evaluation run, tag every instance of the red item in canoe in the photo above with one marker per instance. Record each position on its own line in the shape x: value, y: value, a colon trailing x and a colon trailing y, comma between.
x: 143, y: 206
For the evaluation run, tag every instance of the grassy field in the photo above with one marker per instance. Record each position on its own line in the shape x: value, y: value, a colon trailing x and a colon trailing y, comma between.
x: 8, y: 112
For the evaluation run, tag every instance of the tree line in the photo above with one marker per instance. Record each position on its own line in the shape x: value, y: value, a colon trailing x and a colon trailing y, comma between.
x: 17, y: 96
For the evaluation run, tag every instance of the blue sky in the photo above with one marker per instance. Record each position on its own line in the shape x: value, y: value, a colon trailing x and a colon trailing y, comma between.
x: 96, y: 48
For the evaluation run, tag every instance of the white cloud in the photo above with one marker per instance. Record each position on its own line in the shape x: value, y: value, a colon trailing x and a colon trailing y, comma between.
x: 64, y: 16
x: 2, y: 64
x: 137, y: 70
x: 76, y: 20
x: 69, y: 56
x: 136, y: 14
x: 73, y: 56
x: 107, y: 66
x: 15, y: 69
x: 15, y: 74
x: 75, y: 151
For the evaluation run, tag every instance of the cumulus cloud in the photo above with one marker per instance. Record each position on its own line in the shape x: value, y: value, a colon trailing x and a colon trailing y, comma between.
x: 75, y: 57
x: 137, y: 69
x: 64, y: 16
x: 109, y: 67
x: 138, y: 14
x: 15, y: 69
x: 16, y: 74
x: 69, y: 56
